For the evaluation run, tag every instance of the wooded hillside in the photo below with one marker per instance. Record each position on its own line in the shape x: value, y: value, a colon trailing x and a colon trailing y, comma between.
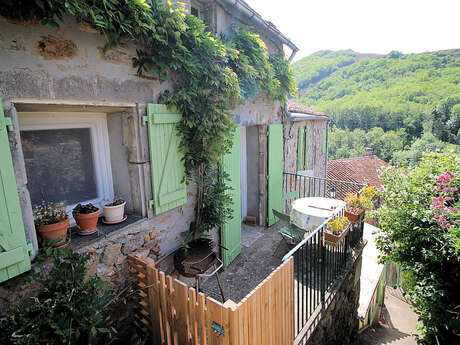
x: 387, y: 102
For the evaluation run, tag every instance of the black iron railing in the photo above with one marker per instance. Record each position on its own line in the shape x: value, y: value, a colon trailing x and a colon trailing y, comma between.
x: 318, y: 263
x: 301, y: 186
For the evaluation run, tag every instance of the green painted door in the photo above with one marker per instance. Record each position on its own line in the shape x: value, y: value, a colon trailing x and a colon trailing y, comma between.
x: 275, y: 171
x: 14, y: 255
x: 231, y: 231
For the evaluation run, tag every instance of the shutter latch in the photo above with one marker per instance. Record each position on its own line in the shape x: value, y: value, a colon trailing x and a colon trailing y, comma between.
x: 145, y: 120
x: 8, y: 124
x: 30, y: 248
x: 150, y: 203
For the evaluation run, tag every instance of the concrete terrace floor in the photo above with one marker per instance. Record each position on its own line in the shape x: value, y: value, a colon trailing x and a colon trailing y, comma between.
x: 399, y: 323
x: 256, y: 261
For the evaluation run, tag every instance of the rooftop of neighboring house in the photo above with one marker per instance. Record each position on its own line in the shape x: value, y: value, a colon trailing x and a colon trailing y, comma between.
x: 358, y: 169
x: 294, y: 107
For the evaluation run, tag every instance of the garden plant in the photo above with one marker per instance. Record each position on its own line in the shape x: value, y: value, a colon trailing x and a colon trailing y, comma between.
x: 420, y: 232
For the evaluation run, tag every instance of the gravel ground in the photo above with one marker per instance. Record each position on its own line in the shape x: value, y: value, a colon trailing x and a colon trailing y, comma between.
x: 256, y: 261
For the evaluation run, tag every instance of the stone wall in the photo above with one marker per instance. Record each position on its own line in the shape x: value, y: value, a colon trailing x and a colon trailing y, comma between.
x: 339, y: 323
x: 69, y: 63
x: 316, y: 157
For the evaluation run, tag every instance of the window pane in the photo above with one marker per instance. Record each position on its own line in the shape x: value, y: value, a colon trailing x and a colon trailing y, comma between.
x: 59, y: 165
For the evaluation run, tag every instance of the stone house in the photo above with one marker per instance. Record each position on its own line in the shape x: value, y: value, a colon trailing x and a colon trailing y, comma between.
x: 75, y: 127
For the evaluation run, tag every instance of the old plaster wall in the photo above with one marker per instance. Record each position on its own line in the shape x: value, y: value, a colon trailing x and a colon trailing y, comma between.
x: 69, y: 63
x: 316, y: 157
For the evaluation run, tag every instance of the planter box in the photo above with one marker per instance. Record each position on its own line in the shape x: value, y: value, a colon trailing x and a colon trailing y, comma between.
x: 332, y: 239
x: 354, y: 217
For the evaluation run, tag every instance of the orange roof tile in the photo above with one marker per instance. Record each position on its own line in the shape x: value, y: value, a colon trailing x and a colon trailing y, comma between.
x: 294, y: 107
x: 359, y: 169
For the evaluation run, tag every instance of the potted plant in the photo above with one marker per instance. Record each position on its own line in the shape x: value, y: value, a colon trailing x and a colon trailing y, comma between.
x: 86, y: 216
x: 354, y: 210
x: 51, y: 221
x: 336, y: 229
x: 114, y: 211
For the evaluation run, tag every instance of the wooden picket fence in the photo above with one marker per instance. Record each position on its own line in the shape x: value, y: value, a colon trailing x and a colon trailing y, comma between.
x: 176, y: 314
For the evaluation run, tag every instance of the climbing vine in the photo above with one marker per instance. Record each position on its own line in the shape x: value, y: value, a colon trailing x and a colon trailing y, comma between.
x: 215, y: 75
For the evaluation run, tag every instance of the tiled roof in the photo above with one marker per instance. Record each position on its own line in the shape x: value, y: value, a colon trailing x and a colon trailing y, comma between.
x: 294, y: 107
x: 360, y: 169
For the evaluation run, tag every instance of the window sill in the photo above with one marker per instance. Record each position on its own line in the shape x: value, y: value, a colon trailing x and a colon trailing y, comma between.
x: 103, y: 231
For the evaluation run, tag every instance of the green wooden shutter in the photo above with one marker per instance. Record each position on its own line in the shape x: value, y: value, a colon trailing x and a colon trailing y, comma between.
x: 300, y: 138
x: 324, y: 140
x: 275, y: 171
x: 14, y: 256
x: 307, y: 150
x: 168, y: 183
x: 231, y: 231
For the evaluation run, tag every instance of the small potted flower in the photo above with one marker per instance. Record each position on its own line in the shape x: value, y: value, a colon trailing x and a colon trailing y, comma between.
x: 336, y: 229
x: 51, y: 221
x: 114, y: 211
x: 354, y: 210
x: 86, y: 216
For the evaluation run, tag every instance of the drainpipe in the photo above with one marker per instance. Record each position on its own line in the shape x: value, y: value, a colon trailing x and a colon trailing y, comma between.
x: 327, y: 149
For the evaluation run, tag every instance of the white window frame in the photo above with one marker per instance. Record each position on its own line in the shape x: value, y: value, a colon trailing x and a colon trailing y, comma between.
x: 97, y: 123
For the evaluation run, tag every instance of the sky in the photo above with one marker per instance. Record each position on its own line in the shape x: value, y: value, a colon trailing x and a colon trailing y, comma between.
x: 365, y: 26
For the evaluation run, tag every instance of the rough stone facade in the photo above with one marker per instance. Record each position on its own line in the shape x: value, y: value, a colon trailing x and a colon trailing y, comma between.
x: 66, y: 69
x: 317, y: 158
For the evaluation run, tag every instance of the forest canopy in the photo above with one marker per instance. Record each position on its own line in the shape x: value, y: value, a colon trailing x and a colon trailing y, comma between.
x: 393, y: 103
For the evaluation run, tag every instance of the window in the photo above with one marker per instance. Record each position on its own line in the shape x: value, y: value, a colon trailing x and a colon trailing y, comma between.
x: 196, y: 10
x: 303, y: 152
x: 67, y: 157
x: 205, y: 13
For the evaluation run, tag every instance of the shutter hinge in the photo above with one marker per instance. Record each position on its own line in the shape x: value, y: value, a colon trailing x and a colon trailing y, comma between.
x: 145, y: 120
x: 268, y: 177
x: 8, y: 124
x: 30, y: 248
x: 150, y: 203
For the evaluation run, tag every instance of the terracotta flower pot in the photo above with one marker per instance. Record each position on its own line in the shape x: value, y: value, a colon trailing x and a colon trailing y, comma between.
x: 354, y: 216
x: 332, y: 239
x: 114, y: 214
x: 87, y: 222
x: 53, y: 232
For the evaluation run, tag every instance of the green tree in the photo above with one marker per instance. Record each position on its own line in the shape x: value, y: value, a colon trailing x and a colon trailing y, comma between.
x: 446, y: 120
x: 419, y: 231
x: 344, y: 143
x: 411, y: 156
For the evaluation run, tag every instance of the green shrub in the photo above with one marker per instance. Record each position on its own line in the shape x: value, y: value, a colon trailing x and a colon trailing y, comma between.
x: 419, y: 222
x: 68, y: 311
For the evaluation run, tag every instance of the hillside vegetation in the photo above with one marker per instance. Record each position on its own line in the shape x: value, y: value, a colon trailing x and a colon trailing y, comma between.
x: 387, y: 102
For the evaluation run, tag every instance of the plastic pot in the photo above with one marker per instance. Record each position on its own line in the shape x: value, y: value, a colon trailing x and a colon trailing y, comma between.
x: 114, y: 213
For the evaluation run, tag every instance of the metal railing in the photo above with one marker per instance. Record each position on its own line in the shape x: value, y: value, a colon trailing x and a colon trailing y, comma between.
x: 309, y: 186
x: 318, y: 263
